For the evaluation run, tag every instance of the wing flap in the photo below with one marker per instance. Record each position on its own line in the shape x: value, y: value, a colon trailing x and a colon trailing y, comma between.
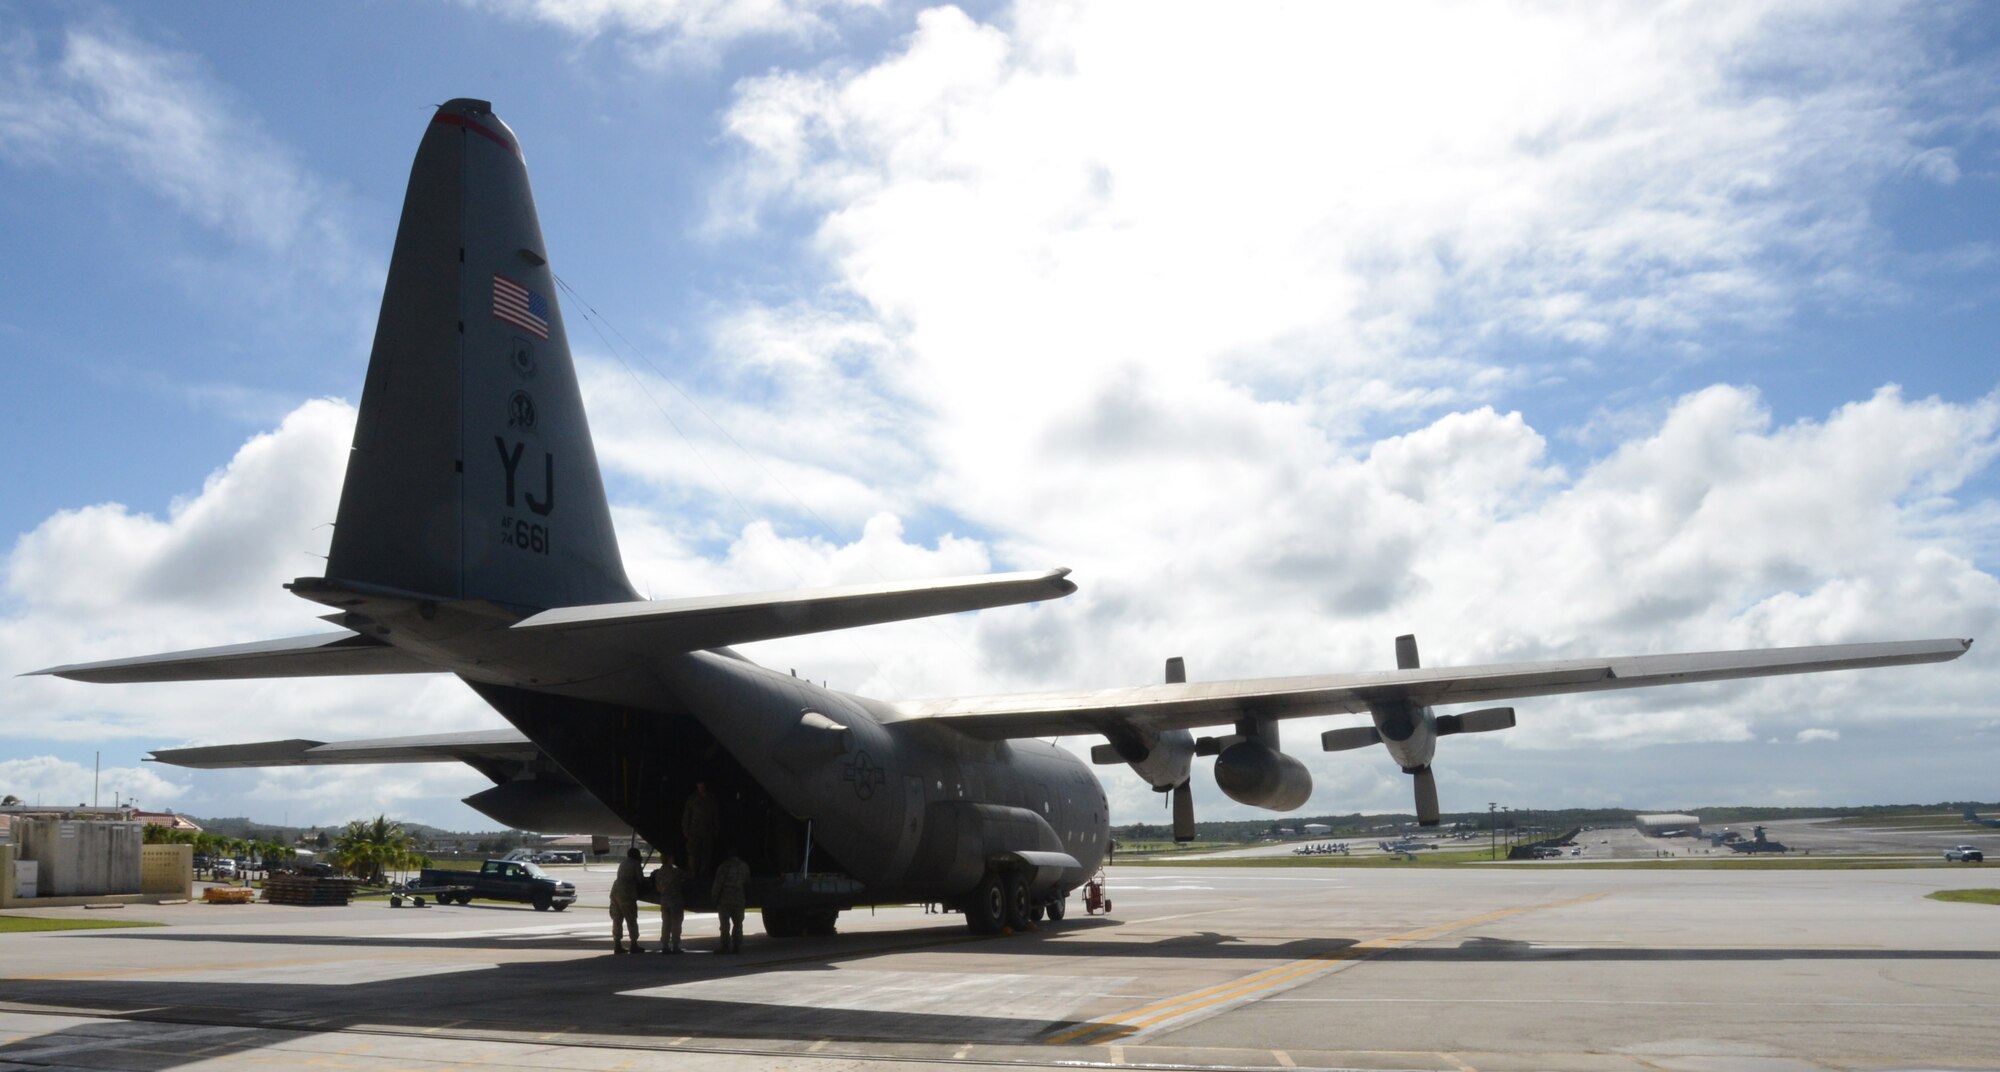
x: 319, y: 655
x: 709, y: 622
x: 1191, y: 706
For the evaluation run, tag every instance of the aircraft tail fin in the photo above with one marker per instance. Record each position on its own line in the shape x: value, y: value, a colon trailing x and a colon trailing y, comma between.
x: 472, y: 474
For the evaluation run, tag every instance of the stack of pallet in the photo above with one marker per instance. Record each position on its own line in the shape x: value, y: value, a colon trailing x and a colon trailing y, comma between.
x: 309, y: 890
x: 229, y: 895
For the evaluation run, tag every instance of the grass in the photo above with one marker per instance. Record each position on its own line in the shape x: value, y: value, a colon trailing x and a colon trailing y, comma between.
x: 1967, y: 896
x: 1907, y: 822
x: 1427, y: 858
x: 1170, y: 847
x: 24, y: 924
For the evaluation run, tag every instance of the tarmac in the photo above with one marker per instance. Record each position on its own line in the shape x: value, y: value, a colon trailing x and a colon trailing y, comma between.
x: 1501, y: 968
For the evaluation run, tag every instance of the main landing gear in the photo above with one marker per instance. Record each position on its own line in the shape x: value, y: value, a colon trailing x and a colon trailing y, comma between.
x: 1000, y: 904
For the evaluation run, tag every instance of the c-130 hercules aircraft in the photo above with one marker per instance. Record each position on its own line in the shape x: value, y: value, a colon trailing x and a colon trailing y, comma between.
x: 473, y: 538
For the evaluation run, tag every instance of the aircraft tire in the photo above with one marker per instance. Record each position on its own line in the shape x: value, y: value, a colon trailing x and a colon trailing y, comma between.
x: 782, y: 924
x: 823, y: 923
x: 986, y: 908
x: 1019, y: 915
x: 1058, y: 906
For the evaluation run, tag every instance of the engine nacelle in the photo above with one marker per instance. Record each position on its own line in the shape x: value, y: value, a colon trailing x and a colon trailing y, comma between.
x: 1163, y: 759
x: 1254, y: 773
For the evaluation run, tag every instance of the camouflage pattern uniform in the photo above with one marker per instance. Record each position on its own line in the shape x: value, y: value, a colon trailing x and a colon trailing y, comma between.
x: 625, y: 901
x: 671, y: 883
x: 731, y: 889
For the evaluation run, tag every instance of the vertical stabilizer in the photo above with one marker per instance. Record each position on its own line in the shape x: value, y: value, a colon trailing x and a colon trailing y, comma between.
x: 472, y: 474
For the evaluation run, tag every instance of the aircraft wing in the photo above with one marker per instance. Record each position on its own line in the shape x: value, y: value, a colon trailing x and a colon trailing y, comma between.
x: 1188, y: 706
x: 647, y: 627
x: 474, y: 747
x: 319, y: 655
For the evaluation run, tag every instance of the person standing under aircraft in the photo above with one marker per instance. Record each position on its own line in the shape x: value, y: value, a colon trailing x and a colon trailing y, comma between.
x: 625, y: 901
x: 701, y: 820
x: 671, y: 884
x: 731, y: 890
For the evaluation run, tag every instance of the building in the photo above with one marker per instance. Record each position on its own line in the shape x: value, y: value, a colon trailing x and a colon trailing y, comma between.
x: 1667, y: 824
x: 167, y: 819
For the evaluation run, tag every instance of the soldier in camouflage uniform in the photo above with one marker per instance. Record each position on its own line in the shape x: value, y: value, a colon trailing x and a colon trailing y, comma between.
x: 731, y: 890
x: 671, y: 883
x: 625, y: 901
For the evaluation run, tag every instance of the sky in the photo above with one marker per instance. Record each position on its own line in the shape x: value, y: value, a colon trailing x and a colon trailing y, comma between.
x: 1536, y: 330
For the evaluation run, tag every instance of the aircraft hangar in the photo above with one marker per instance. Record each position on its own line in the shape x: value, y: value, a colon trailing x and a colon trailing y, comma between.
x: 1655, y: 825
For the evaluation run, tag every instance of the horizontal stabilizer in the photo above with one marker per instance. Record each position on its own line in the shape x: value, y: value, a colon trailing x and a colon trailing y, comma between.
x: 319, y: 655
x: 502, y: 744
x: 707, y: 622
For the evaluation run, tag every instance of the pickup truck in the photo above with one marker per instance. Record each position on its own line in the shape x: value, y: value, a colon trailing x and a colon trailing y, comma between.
x: 1965, y: 854
x: 504, y: 880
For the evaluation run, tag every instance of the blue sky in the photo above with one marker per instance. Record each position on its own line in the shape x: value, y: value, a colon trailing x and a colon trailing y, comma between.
x: 1537, y: 331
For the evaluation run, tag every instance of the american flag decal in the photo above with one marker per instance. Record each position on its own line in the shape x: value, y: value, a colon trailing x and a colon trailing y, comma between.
x: 520, y: 306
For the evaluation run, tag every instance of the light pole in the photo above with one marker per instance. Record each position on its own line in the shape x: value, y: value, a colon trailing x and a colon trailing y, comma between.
x: 1492, y: 831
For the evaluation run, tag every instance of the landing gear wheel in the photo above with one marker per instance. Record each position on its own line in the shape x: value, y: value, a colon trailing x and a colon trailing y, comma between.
x: 1058, y: 907
x: 986, y: 908
x: 779, y: 923
x: 823, y: 923
x: 1017, y: 902
x: 1035, y: 913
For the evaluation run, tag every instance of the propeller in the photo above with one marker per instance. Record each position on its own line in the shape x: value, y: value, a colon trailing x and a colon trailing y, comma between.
x: 1410, y: 733
x: 1424, y: 782
x: 1183, y: 793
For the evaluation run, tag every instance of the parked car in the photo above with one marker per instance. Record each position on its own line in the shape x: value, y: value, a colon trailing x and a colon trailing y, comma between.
x: 1964, y: 854
x: 223, y: 868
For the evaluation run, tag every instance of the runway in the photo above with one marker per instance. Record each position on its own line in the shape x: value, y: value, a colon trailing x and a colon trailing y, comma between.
x: 1454, y: 969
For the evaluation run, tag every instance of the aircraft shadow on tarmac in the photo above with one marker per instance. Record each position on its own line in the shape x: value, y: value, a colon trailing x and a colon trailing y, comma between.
x: 581, y: 1000
x: 620, y: 997
x: 1071, y: 939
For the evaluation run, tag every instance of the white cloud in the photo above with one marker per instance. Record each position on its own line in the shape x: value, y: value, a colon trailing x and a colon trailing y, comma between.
x: 111, y: 100
x: 102, y: 582
x: 1817, y: 733
x: 661, y: 31
x: 57, y: 782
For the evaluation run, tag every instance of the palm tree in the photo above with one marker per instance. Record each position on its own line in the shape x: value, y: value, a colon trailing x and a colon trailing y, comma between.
x: 367, y: 849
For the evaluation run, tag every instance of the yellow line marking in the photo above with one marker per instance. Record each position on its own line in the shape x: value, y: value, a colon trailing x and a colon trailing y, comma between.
x: 1284, y: 1058
x: 1125, y: 1024
x: 1460, y: 1065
